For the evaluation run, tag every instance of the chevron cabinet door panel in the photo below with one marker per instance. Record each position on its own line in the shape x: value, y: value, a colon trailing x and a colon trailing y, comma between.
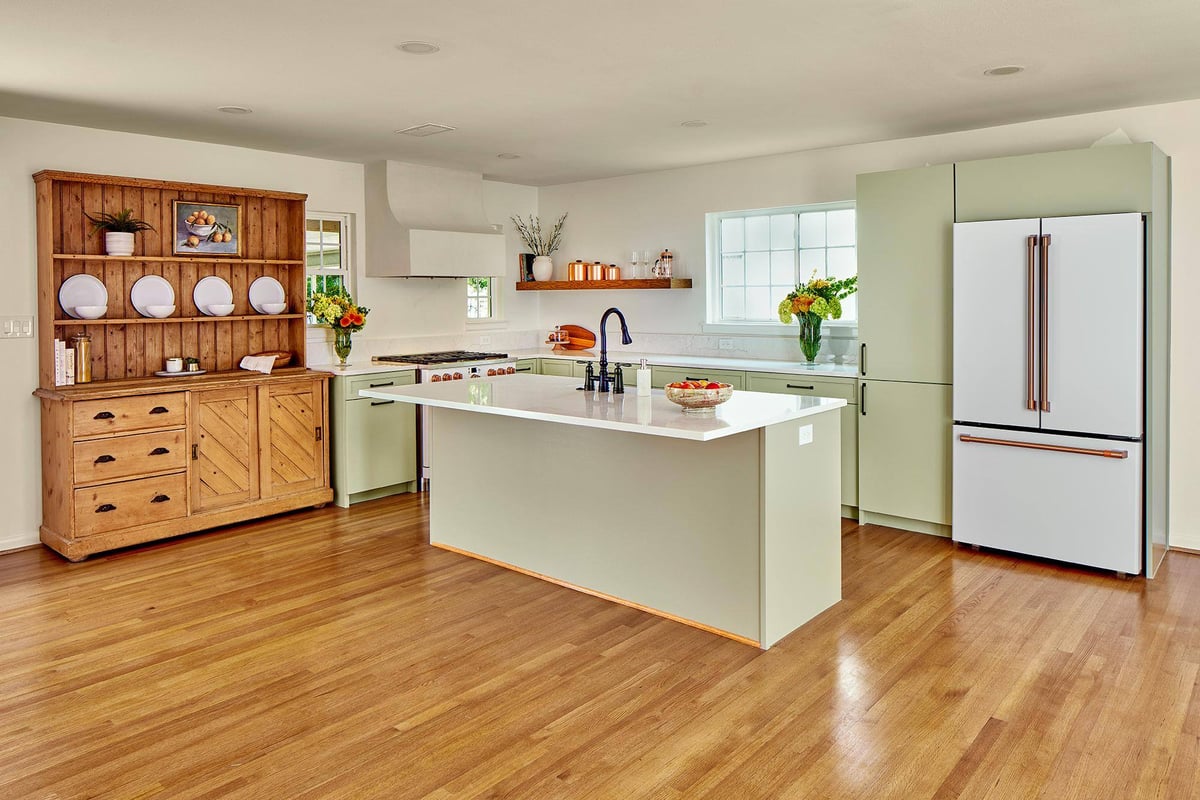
x: 224, y: 468
x: 292, y: 437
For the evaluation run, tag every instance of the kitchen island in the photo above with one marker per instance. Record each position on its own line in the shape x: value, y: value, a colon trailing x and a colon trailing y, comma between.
x: 728, y: 522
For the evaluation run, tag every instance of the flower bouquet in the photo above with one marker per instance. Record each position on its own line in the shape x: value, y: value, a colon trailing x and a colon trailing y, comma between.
x: 812, y: 302
x: 337, y: 310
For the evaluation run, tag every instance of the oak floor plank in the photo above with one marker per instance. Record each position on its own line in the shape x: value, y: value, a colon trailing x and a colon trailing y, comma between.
x: 333, y: 653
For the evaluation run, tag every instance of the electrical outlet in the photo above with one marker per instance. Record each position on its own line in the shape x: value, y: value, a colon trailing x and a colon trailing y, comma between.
x: 724, y: 344
x: 805, y: 435
x: 485, y: 340
x: 16, y: 327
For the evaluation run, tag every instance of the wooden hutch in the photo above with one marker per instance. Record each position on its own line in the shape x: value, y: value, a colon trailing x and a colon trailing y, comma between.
x: 132, y: 457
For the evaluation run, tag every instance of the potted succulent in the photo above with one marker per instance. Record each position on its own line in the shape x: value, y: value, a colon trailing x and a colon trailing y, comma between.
x: 118, y: 230
x: 542, y: 246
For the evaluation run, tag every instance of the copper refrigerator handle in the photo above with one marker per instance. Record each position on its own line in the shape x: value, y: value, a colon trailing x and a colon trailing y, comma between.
x: 1045, y: 388
x: 1031, y: 332
x: 1082, y: 451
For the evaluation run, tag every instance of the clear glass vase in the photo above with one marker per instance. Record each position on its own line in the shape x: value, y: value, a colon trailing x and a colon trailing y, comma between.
x: 341, y: 345
x: 810, y: 336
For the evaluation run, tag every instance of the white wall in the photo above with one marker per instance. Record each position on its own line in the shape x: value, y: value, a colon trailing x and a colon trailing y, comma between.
x: 398, y: 307
x: 608, y: 218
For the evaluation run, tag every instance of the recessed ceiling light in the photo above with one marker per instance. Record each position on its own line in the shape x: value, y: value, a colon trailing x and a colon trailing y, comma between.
x: 1000, y: 72
x: 235, y: 109
x: 693, y: 123
x: 507, y: 156
x: 415, y: 48
x: 427, y: 129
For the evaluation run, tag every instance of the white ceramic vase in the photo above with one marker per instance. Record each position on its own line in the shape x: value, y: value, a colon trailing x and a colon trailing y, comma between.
x: 117, y: 243
x: 543, y: 268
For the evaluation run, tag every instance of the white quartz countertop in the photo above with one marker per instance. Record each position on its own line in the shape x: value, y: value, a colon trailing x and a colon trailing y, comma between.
x: 362, y: 368
x: 620, y: 354
x: 549, y: 398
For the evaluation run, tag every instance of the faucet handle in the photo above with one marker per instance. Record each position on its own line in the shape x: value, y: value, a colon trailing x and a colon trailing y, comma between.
x: 618, y: 378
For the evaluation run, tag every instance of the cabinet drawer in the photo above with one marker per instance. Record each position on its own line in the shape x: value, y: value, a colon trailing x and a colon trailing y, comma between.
x: 112, y: 506
x: 529, y: 365
x: 558, y: 366
x: 379, y: 381
x: 119, y: 414
x: 781, y: 383
x: 125, y: 456
x: 661, y: 376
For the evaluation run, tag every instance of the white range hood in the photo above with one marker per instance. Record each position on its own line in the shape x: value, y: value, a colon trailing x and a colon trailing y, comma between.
x: 429, y: 222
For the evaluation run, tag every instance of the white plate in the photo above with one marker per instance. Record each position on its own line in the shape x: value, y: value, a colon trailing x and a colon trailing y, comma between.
x: 151, y: 290
x: 81, y: 290
x: 211, y: 291
x: 165, y: 374
x: 264, y: 290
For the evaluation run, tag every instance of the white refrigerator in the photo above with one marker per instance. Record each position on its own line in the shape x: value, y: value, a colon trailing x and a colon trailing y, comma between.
x: 1049, y: 387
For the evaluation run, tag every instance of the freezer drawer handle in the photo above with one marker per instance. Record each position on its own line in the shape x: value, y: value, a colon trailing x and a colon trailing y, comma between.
x: 1031, y: 333
x: 1082, y: 451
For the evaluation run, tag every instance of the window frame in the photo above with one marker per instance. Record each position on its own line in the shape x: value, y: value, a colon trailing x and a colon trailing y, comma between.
x: 347, y: 268
x: 493, y: 317
x: 713, y: 263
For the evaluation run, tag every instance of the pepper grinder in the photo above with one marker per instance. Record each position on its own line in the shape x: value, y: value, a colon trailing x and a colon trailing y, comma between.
x: 82, y: 342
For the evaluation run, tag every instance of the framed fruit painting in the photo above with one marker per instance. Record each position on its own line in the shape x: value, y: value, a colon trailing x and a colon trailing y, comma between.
x: 211, y: 229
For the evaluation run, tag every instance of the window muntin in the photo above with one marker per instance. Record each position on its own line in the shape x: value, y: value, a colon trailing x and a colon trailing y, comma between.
x: 480, y: 303
x: 326, y: 253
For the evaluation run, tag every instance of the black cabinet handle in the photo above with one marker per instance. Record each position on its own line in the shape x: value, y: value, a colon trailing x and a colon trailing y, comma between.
x: 320, y: 433
x: 105, y: 459
x: 862, y: 359
x: 104, y: 415
x: 381, y: 403
x: 159, y: 451
x: 862, y: 399
x: 158, y: 410
x: 106, y: 508
x: 798, y: 386
x: 195, y: 452
x: 377, y: 385
x: 524, y: 369
x: 160, y: 498
x: 697, y: 379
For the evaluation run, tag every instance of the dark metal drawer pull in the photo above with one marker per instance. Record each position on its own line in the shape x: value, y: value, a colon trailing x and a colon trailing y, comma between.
x: 377, y: 385
x: 104, y: 415
x: 524, y: 369
x: 697, y: 379
x: 160, y: 498
x: 798, y: 386
x: 382, y: 402
x: 159, y: 451
x: 106, y: 459
x: 158, y: 410
x: 106, y: 508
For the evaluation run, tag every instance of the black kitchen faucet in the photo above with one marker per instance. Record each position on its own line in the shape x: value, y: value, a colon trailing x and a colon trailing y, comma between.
x: 616, y: 381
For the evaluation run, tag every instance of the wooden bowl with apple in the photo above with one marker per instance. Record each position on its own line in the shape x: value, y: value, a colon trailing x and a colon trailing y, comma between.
x: 698, y: 397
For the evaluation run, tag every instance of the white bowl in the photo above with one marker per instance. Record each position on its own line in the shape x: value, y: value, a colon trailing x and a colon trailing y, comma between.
x: 200, y: 230
x: 159, y: 312
x: 220, y: 309
x: 273, y: 308
x: 91, y: 312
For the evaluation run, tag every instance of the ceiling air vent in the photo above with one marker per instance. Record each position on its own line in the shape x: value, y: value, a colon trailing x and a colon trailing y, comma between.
x: 428, y: 129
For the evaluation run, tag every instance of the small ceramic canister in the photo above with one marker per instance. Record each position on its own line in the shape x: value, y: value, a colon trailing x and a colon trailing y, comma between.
x: 174, y: 365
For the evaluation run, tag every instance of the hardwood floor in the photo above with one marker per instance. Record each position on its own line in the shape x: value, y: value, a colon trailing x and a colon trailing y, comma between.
x: 333, y: 654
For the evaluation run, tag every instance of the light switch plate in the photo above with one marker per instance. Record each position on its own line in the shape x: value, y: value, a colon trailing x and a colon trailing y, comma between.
x: 724, y: 344
x: 805, y: 435
x: 16, y: 327
x: 485, y: 340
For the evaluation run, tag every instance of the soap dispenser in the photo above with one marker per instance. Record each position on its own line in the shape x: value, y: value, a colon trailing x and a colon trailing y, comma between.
x: 643, y: 379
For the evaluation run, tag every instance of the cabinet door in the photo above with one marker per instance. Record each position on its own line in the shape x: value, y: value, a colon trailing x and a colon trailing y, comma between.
x: 905, y: 221
x: 292, y: 457
x: 224, y: 448
x: 904, y: 434
x: 557, y: 366
x: 382, y: 444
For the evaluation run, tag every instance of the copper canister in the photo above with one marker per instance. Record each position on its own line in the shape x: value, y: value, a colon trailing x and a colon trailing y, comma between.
x: 595, y: 272
x: 612, y: 273
x: 575, y: 271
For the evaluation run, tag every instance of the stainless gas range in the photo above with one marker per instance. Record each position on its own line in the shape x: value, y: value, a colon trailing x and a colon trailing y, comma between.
x: 447, y: 365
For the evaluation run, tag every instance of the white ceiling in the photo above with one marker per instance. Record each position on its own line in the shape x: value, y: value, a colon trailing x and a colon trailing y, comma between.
x: 584, y: 89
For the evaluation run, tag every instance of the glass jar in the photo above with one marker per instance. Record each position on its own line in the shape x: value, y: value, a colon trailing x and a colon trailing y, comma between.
x: 82, y: 343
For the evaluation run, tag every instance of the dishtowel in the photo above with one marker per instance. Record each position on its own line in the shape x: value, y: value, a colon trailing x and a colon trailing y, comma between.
x: 261, y: 364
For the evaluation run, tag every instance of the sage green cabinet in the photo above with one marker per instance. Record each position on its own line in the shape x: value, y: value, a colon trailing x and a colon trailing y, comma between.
x: 844, y: 388
x: 905, y: 264
x: 904, y: 439
x: 1098, y: 180
x: 661, y: 376
x: 373, y: 443
x: 557, y: 366
x: 528, y: 365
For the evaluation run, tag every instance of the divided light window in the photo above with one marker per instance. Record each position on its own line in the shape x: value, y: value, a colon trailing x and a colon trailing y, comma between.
x: 480, y: 303
x: 326, y: 253
x: 764, y: 254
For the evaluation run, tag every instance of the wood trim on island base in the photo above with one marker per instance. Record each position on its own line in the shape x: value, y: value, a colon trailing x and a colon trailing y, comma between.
x: 601, y: 595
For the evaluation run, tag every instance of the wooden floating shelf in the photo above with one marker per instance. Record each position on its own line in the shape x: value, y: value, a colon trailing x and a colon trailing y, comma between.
x: 151, y: 320
x: 192, y: 259
x: 636, y: 283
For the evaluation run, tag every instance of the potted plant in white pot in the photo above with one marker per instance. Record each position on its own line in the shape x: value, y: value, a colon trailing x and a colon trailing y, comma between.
x: 118, y: 230
x: 541, y: 246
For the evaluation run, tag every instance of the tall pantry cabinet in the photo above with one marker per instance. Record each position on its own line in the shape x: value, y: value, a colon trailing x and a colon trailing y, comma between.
x: 905, y: 265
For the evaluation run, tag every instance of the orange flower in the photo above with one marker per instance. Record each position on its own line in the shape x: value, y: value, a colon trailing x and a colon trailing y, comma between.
x: 801, y: 304
x: 355, y: 318
x: 345, y: 321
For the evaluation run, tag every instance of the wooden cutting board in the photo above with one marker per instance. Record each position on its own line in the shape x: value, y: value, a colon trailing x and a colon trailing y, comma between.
x: 581, y: 339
